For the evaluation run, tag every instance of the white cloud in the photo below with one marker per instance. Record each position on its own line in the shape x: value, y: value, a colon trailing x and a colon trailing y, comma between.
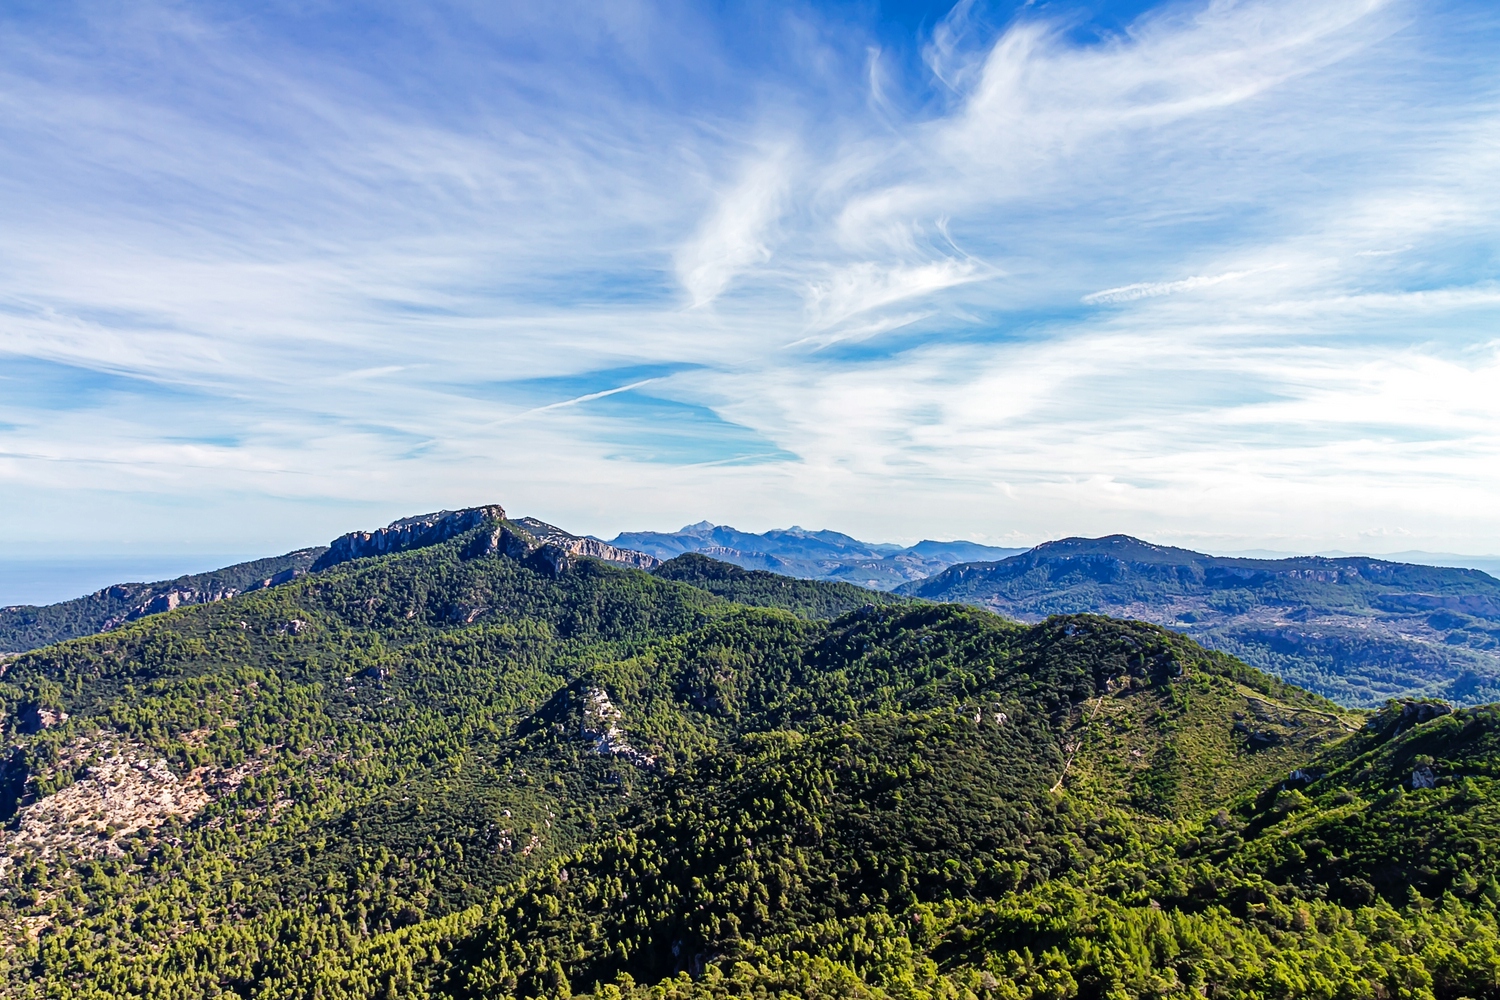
x: 732, y: 238
x: 1151, y: 289
x: 855, y: 289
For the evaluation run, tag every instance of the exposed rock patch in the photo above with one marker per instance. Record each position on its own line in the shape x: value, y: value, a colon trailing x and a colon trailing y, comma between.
x: 579, y: 545
x: 550, y: 549
x: 407, y: 533
x: 26, y: 627
x: 153, y: 600
x: 123, y: 790
x: 1414, y: 713
x: 601, y: 723
x: 34, y: 718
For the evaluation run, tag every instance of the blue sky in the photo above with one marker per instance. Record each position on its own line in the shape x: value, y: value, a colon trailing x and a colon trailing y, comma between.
x: 1219, y: 274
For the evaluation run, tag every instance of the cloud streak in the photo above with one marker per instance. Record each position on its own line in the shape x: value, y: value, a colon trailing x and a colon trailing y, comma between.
x: 1152, y: 289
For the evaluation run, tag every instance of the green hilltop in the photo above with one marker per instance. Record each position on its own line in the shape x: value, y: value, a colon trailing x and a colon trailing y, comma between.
x: 489, y: 761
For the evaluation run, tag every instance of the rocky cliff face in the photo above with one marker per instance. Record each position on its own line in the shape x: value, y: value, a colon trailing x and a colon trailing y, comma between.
x: 550, y: 548
x: 546, y: 546
x: 153, y: 599
x: 578, y: 545
x: 543, y: 543
x: 408, y: 533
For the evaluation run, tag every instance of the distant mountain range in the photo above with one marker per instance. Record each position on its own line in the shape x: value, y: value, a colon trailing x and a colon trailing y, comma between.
x: 1357, y: 630
x: 813, y: 555
x: 1354, y: 629
x: 795, y: 552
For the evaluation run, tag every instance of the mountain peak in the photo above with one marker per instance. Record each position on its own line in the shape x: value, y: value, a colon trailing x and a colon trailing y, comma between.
x: 418, y: 531
x: 1117, y: 545
x: 491, y: 511
x: 1359, y: 630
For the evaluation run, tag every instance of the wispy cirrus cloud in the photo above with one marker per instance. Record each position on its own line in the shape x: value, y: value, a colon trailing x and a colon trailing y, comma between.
x: 733, y: 237
x: 857, y: 289
x: 252, y: 272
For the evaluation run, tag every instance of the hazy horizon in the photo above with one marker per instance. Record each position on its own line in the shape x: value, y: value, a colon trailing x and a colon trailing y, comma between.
x: 40, y: 579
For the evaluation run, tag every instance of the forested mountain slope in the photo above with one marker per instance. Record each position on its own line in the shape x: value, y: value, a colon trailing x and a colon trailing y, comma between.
x: 815, y: 599
x: 1357, y: 630
x: 24, y: 627
x: 488, y: 767
x: 28, y: 627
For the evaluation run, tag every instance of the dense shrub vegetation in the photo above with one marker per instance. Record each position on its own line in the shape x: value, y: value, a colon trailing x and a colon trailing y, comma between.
x: 431, y: 775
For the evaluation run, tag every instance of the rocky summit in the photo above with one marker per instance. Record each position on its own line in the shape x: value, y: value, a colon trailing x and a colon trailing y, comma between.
x: 407, y: 533
x: 433, y: 529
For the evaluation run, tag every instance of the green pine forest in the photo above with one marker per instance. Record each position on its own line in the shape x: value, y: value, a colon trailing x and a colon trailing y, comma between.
x: 458, y: 773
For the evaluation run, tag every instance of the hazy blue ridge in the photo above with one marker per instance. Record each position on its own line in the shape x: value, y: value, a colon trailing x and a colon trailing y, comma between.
x: 812, y: 555
x: 1487, y: 564
x: 1356, y: 629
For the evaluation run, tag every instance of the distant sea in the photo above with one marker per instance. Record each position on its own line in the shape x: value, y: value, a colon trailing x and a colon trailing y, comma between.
x: 47, y: 581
